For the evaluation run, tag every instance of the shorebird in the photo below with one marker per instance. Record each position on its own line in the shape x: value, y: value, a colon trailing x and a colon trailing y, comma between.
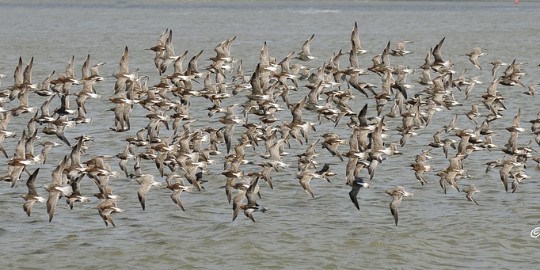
x: 518, y: 176
x: 531, y: 90
x: 287, y: 73
x: 439, y: 64
x: 473, y: 113
x: 86, y: 92
x: 18, y: 81
x: 192, y: 68
x: 378, y: 150
x: 44, y: 88
x: 177, y: 188
x: 2, y: 138
x: 267, y: 168
x: 397, y: 195
x: 535, y: 123
x: 266, y: 63
x: 515, y: 127
x: 123, y: 73
x: 223, y: 58
x: 426, y: 78
x: 274, y: 150
x: 355, y: 40
x: 91, y: 73
x: 506, y: 167
x: 191, y: 167
x: 451, y: 125
x: 106, y: 208
x: 465, y: 136
x: 146, y: 181
x: 325, y: 172
x: 537, y: 160
x: 32, y: 196
x: 306, y: 159
x: 57, y: 188
x: 159, y: 48
x: 124, y: 156
x: 450, y: 174
x: 488, y: 143
x: 16, y: 166
x: 305, y: 178
x: 230, y: 184
x: 492, y: 164
x: 305, y: 54
x: 496, y: 64
x: 76, y: 195
x: 400, y: 49
x: 420, y: 167
x: 168, y: 56
x: 247, y: 191
x: 427, y: 63
x: 331, y: 143
x: 45, y: 115
x: 381, y: 62
x: 22, y: 80
x: 357, y: 184
x: 473, y: 56
x: 512, y: 75
x: 121, y: 117
x: 445, y: 144
x: 470, y: 190
x: 338, y: 73
x: 65, y: 80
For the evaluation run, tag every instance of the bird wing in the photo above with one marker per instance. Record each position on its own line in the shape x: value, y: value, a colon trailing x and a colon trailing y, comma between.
x: 31, y: 183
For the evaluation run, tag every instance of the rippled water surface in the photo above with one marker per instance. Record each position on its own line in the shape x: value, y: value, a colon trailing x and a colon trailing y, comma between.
x: 435, y: 230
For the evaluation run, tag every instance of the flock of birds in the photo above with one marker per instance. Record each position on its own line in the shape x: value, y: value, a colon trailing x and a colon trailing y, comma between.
x: 245, y: 109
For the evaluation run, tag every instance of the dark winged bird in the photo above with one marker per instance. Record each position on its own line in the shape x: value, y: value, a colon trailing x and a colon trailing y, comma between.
x: 357, y: 184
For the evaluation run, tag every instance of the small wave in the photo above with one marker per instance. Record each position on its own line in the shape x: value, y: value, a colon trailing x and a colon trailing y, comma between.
x: 316, y: 11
